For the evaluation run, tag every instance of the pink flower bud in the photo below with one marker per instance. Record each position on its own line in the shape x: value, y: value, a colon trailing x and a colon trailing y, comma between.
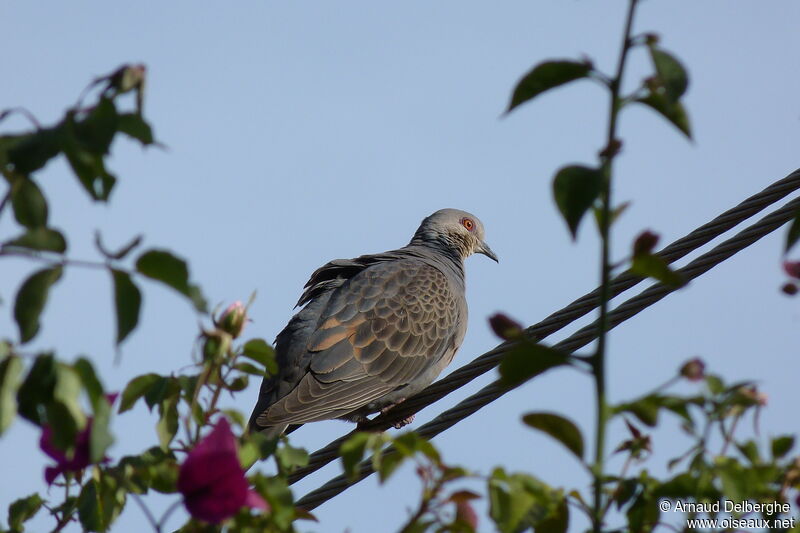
x: 792, y: 268
x: 233, y: 319
x: 466, y: 514
x: 693, y: 369
x: 789, y: 289
x: 645, y: 243
x: 504, y: 327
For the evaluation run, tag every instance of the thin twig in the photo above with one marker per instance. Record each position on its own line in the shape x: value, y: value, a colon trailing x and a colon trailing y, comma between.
x: 171, y: 509
x: 147, y: 513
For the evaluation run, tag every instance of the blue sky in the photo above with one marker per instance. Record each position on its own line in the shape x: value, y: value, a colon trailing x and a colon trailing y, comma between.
x: 301, y: 133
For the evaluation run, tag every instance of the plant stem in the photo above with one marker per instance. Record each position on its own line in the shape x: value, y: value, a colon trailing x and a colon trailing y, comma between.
x: 168, y: 513
x: 147, y: 513
x: 5, y: 200
x: 605, y: 274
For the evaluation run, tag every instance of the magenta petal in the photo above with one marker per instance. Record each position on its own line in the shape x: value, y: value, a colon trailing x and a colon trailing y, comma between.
x: 255, y: 501
x: 211, y: 479
x: 51, y: 473
x: 47, y: 446
x: 111, y: 397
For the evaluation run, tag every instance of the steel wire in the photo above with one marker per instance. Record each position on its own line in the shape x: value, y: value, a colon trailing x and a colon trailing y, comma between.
x: 585, y: 335
x: 560, y: 319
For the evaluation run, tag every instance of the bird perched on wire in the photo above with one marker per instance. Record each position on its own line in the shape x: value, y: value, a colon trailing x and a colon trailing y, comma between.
x: 374, y: 330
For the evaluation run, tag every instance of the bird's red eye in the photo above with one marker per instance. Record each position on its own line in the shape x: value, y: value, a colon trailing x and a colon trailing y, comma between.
x: 468, y: 223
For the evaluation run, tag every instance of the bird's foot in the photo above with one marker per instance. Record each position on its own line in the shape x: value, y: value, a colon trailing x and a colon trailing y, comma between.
x: 400, y: 423
x: 364, y: 424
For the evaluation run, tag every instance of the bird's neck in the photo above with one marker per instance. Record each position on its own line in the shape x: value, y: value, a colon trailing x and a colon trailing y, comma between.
x: 440, y: 256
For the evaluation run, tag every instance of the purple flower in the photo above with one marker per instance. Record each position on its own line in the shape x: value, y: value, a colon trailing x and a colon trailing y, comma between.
x: 212, y: 480
x: 79, y: 459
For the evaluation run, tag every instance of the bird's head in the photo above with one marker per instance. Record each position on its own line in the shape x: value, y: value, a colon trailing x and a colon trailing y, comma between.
x: 455, y: 230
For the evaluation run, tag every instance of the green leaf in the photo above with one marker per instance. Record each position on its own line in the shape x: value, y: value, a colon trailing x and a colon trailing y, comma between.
x: 167, y: 425
x: 558, y: 427
x: 32, y: 151
x: 737, y: 482
x: 645, y: 409
x: 546, y: 76
x: 251, y: 369
x: 289, y: 457
x: 90, y: 169
x: 31, y: 299
x: 135, y: 389
x: 715, y: 384
x: 352, y: 451
x: 37, y: 389
x: 65, y: 427
x: 615, y: 213
x: 793, y: 234
x: 652, y: 266
x: 41, y: 238
x: 782, y: 445
x: 277, y: 493
x: 162, y: 266
x: 575, y: 189
x: 127, y: 302
x: 557, y: 521
x: 239, y: 383
x: 670, y: 72
x: 255, y: 446
x: 529, y: 360
x: 388, y: 464
x: 163, y: 388
x: 23, y: 510
x: 90, y: 507
x: 750, y: 450
x: 67, y: 391
x: 672, y: 111
x: 410, y: 443
x: 90, y: 381
x: 518, y: 501
x: 642, y: 514
x: 627, y: 488
x: 134, y: 126
x: 96, y: 131
x: 10, y: 381
x: 30, y: 206
x: 100, y: 438
x: 259, y: 351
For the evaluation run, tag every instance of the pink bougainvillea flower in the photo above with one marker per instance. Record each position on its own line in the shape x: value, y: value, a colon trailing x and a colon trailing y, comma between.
x: 212, y: 480
x: 79, y: 459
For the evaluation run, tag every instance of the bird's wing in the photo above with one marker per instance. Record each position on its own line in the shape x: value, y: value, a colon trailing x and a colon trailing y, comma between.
x: 379, y: 331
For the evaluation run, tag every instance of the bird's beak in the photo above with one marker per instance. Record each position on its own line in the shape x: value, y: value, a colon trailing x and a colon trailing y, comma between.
x: 484, y: 249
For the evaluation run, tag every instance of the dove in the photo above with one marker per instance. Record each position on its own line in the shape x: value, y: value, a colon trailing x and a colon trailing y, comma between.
x: 374, y: 330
